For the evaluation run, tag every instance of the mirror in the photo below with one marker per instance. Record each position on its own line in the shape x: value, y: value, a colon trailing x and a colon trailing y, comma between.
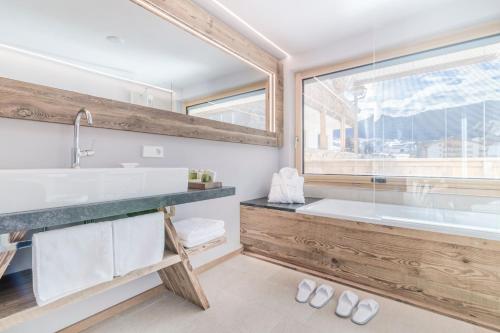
x: 134, y: 57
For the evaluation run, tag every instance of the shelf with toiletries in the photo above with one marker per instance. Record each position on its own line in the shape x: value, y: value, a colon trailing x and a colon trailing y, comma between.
x: 203, y: 180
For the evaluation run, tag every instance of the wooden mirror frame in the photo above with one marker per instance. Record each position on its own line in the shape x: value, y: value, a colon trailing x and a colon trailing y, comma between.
x: 21, y: 100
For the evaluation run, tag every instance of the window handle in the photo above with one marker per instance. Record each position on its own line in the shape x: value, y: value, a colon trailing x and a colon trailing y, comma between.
x: 379, y: 180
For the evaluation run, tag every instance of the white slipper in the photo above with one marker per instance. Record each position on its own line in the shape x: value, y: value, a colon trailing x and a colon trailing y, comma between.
x: 305, y: 289
x: 366, y: 310
x: 323, y: 294
x: 347, y: 303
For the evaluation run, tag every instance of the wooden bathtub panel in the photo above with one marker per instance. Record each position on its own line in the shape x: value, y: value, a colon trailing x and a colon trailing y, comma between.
x: 455, y: 275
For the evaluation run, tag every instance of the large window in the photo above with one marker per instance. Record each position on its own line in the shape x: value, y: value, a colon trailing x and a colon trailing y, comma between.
x: 246, y: 107
x: 430, y: 114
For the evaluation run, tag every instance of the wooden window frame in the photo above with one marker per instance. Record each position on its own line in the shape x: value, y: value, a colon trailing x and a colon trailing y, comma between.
x: 22, y: 100
x: 464, y: 186
x: 234, y: 92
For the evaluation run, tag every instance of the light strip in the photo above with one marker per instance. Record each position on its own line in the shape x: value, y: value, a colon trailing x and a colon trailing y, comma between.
x: 160, y: 12
x: 233, y: 14
x: 66, y: 63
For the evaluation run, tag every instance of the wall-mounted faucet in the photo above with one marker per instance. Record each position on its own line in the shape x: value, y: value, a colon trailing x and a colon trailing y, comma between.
x: 76, y: 151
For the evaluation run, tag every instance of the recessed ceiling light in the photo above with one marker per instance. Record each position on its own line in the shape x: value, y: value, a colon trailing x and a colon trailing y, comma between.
x: 115, y: 39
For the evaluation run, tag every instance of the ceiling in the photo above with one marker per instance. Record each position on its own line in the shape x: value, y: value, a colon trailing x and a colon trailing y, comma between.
x: 149, y: 49
x: 299, y: 26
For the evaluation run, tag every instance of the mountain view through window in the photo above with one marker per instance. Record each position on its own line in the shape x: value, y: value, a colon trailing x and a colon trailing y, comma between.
x: 432, y: 114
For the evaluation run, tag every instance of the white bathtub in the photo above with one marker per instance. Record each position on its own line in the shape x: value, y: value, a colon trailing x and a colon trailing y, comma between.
x: 472, y: 224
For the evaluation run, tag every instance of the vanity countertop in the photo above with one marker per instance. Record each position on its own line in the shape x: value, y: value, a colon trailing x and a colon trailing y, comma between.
x: 35, y: 219
x: 262, y: 202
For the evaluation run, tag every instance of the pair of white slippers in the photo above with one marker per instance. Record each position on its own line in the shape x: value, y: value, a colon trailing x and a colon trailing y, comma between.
x: 322, y: 294
x: 362, y: 311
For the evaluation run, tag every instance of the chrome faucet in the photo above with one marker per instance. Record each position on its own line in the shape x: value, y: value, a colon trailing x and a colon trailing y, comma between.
x: 76, y: 151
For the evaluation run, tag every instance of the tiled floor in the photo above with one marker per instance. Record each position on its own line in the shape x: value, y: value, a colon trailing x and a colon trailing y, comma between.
x: 249, y: 295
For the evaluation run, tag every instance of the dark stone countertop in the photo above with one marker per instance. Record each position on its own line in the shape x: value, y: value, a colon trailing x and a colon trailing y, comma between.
x: 262, y: 202
x: 35, y: 219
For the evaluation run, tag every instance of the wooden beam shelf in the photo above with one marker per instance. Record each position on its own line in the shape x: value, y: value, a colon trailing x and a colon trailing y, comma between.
x: 17, y: 301
x: 206, y: 246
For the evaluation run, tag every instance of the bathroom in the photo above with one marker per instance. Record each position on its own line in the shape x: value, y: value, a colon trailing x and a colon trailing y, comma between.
x: 175, y: 92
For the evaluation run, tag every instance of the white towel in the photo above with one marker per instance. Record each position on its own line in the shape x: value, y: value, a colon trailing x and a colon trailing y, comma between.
x: 72, y: 259
x: 287, y: 187
x: 195, y: 241
x: 139, y: 241
x: 197, y: 227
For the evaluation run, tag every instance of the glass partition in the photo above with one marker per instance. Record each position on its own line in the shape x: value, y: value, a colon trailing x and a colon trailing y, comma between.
x: 417, y: 135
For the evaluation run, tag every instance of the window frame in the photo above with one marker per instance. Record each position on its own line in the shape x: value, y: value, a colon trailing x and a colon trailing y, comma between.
x: 234, y: 92
x: 464, y: 186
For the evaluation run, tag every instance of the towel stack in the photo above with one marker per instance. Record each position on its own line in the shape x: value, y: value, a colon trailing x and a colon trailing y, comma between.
x: 287, y: 187
x: 196, y: 231
x: 72, y: 259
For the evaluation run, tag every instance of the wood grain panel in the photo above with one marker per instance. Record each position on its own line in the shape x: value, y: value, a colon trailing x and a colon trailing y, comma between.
x: 21, y: 100
x: 279, y: 113
x: 206, y: 246
x: 455, y: 275
x: 180, y: 278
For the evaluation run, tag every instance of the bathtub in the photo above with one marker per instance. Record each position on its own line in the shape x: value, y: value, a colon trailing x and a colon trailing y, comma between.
x: 463, y: 223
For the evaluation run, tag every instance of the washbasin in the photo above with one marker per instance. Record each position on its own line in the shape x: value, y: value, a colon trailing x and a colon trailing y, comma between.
x: 32, y: 189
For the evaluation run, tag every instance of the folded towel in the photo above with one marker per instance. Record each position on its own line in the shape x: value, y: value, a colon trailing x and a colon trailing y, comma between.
x: 287, y: 187
x: 196, y: 227
x: 72, y: 259
x: 195, y: 241
x: 138, y: 242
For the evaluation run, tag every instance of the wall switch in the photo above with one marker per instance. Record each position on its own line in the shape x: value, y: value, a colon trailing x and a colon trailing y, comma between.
x: 152, y: 151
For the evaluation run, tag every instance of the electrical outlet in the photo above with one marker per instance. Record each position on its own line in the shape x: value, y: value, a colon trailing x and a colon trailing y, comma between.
x: 152, y: 151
